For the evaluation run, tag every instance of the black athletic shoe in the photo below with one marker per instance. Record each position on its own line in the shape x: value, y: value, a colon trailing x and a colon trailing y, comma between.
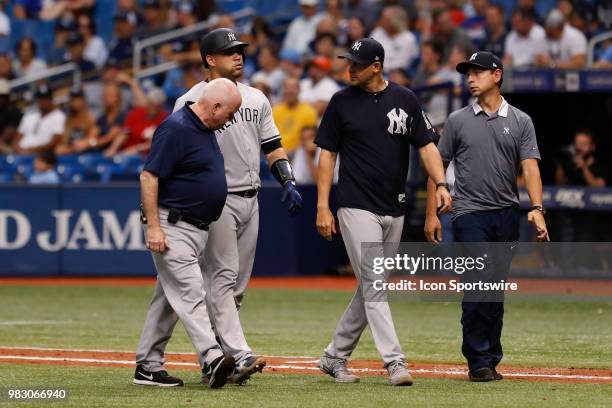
x: 497, y: 376
x: 483, y: 374
x: 218, y: 371
x: 156, y: 378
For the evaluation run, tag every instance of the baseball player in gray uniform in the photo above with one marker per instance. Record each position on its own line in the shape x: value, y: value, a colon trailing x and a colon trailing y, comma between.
x: 230, y: 251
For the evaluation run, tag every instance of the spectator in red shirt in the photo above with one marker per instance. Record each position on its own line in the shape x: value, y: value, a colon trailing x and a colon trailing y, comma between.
x: 140, y: 124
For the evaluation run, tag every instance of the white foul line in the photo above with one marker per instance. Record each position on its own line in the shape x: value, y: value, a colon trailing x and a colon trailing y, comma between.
x: 179, y: 353
x: 304, y: 368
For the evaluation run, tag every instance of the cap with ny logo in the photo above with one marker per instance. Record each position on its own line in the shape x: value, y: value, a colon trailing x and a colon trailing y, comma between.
x: 365, y: 51
x: 482, y: 60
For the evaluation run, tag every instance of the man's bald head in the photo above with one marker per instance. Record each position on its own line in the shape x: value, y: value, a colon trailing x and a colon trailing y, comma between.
x: 217, y: 105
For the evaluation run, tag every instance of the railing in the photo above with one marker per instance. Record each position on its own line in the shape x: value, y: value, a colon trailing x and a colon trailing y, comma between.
x: 48, y: 73
x: 593, y: 43
x: 139, y: 46
x: 444, y: 86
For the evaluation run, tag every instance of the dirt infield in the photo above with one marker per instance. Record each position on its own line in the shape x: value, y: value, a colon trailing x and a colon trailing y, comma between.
x: 292, y: 365
x: 527, y: 285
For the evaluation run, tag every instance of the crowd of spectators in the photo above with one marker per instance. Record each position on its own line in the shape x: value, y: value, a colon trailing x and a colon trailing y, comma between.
x: 109, y: 112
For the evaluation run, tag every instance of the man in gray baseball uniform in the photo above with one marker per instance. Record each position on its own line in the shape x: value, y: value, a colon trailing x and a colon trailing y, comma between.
x: 371, y: 125
x: 230, y: 251
x: 183, y: 190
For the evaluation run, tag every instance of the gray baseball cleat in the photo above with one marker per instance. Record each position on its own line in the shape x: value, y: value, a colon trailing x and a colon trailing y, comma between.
x: 246, y: 368
x: 336, y: 367
x: 398, y: 373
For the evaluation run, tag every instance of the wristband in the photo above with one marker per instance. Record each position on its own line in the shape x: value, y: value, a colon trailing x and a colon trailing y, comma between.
x: 539, y: 208
x: 442, y: 184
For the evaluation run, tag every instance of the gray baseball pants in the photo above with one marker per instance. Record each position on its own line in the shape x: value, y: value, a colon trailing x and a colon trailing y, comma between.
x: 228, y: 263
x: 179, y: 292
x: 226, y: 269
x: 359, y: 226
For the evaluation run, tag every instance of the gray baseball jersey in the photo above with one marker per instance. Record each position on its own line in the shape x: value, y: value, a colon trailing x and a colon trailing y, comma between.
x: 487, y: 150
x: 240, y: 145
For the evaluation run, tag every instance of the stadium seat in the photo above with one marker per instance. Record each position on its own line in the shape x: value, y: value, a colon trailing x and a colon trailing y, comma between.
x: 264, y: 171
x: 128, y: 160
x: 71, y: 173
x: 115, y: 172
x: 70, y: 160
x: 4, y: 164
x: 6, y: 176
x: 25, y: 170
x: 92, y: 160
x: 18, y: 159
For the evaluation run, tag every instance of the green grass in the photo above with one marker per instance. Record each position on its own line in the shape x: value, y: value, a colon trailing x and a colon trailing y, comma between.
x: 110, y: 387
x: 300, y: 322
x: 295, y: 322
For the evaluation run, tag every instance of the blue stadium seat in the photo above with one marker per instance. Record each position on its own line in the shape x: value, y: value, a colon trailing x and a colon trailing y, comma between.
x: 6, y: 176
x: 92, y: 160
x: 128, y: 160
x: 69, y: 160
x: 115, y: 172
x: 4, y: 164
x: 71, y: 173
x: 264, y: 171
x: 17, y: 159
x: 25, y: 170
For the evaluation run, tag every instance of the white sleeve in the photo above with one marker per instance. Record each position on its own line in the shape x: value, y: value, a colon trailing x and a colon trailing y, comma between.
x: 59, y: 121
x: 578, y: 44
x: 508, y: 45
x: 191, y: 95
x: 290, y: 39
x: 180, y: 102
x: 267, y: 129
x: 330, y: 89
x: 23, y: 128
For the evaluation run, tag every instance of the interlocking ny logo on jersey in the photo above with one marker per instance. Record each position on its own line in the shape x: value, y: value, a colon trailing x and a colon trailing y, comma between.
x: 231, y: 36
x: 356, y: 46
x: 397, y: 121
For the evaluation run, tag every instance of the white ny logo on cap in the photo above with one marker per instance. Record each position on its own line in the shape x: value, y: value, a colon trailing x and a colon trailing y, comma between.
x: 231, y: 36
x: 356, y: 46
x: 473, y: 57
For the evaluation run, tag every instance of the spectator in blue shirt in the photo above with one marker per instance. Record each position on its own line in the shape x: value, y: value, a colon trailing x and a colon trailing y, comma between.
x: 605, y: 61
x: 44, y: 169
x: 475, y: 26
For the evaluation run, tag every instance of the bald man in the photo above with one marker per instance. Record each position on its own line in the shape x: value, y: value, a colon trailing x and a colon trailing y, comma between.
x: 183, y: 190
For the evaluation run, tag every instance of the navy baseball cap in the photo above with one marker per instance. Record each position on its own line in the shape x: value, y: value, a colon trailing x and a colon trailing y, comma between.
x: 43, y: 91
x: 482, y: 60
x: 75, y: 38
x: 365, y: 52
x: 128, y: 16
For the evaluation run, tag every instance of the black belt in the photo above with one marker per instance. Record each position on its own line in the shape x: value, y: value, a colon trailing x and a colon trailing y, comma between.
x: 199, y: 224
x: 245, y: 193
x: 175, y: 215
